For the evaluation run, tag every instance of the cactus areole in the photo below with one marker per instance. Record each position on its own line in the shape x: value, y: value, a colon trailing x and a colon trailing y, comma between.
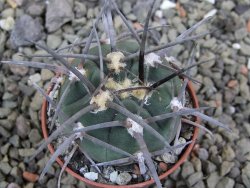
x: 120, y: 77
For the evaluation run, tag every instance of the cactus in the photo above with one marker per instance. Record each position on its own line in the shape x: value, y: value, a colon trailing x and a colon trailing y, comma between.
x: 119, y: 102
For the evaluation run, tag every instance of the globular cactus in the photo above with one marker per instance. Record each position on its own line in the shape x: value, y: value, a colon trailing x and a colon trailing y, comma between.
x: 120, y: 102
x: 119, y: 77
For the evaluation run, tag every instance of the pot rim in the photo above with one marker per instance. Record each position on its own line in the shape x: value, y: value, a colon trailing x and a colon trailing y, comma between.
x: 93, y: 184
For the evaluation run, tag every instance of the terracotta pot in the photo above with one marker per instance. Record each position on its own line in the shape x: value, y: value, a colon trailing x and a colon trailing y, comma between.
x: 92, y: 184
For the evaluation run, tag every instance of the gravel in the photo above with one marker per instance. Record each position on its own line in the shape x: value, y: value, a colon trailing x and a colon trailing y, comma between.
x: 242, y: 144
x: 194, y: 178
x: 123, y: 178
x: 35, y: 8
x: 26, y: 28
x: 46, y: 75
x: 225, y: 182
x: 22, y: 126
x: 187, y: 169
x: 54, y: 41
x: 208, y: 167
x: 4, y: 112
x: 212, y: 179
x: 58, y: 13
x: 245, y: 175
x: 202, y: 153
x: 226, y: 167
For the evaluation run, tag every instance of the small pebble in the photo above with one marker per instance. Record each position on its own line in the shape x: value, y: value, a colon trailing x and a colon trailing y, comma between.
x: 163, y: 166
x: 123, y: 178
x: 225, y: 182
x: 31, y: 177
x: 7, y: 24
x: 54, y: 41
x: 46, y: 74
x: 208, y: 167
x: 213, y: 179
x: 13, y: 185
x: 187, y: 169
x: 107, y: 171
x: 194, y: 178
x: 226, y: 167
x: 91, y: 176
x: 23, y: 126
x: 202, y: 154
x: 5, y: 167
x: 180, y: 141
x: 4, y: 112
x: 211, y: 1
x: 245, y: 174
x: 26, y: 152
x: 228, y: 153
x: 113, y: 176
x: 242, y: 145
x: 236, y: 46
x: 196, y: 163
x: 166, y: 4
x: 169, y: 158
x: 35, y: 78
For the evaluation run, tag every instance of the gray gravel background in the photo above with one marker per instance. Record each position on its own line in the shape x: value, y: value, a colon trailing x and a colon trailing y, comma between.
x: 222, y: 161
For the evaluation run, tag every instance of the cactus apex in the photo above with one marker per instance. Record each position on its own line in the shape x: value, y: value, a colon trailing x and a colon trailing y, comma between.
x: 111, y: 84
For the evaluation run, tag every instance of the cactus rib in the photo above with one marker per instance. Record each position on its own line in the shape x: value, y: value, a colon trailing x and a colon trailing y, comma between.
x: 59, y: 105
x: 139, y: 121
x: 134, y: 158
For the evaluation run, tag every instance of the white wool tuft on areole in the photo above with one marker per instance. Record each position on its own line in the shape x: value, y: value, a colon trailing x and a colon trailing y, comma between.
x: 175, y: 104
x: 151, y: 59
x: 72, y: 76
x: 101, y: 100
x: 116, y: 63
x: 135, y: 127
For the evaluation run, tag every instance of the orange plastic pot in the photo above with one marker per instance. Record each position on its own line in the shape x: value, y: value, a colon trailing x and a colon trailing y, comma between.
x: 145, y: 184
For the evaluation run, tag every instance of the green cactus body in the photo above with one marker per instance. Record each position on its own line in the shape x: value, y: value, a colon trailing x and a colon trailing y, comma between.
x: 157, y: 104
